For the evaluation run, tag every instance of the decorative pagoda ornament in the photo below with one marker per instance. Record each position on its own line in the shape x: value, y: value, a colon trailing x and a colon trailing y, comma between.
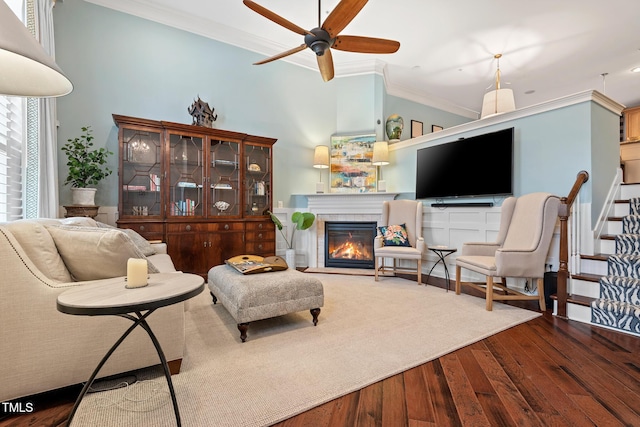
x: 202, y: 114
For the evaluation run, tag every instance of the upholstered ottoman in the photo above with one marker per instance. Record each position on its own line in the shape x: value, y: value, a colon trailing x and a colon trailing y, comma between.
x: 260, y: 296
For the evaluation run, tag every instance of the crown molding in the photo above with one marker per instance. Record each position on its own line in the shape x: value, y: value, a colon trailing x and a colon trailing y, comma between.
x: 397, y: 89
x: 543, y: 107
x: 146, y: 9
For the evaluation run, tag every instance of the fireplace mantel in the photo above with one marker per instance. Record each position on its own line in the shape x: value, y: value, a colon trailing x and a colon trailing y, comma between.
x: 340, y: 207
x: 347, y: 203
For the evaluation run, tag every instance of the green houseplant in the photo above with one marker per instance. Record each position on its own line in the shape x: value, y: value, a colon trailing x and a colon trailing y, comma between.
x: 301, y: 221
x: 86, y: 165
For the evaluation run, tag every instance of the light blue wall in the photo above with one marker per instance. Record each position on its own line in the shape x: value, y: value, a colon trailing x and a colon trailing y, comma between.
x: 126, y: 65
x: 410, y: 110
x: 550, y: 148
x: 605, y: 152
x: 120, y: 64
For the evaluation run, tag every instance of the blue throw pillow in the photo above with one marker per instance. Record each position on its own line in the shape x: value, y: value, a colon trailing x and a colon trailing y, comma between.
x: 394, y: 235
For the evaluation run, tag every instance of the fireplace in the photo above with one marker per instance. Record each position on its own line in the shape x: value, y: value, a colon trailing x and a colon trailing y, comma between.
x: 349, y: 244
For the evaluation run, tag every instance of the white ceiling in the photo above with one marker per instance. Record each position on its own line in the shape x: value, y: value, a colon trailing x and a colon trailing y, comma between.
x: 551, y: 48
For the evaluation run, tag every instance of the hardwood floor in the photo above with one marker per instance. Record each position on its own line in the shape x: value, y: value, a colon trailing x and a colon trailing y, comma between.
x: 544, y: 372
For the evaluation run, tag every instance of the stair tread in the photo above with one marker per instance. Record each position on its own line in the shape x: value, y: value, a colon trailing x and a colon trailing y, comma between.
x: 578, y: 300
x: 588, y: 277
x: 596, y: 257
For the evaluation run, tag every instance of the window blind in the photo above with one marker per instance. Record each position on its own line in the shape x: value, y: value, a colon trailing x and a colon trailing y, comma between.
x: 11, y: 157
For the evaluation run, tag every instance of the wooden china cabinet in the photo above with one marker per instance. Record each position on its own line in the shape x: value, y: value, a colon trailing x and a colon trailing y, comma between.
x: 203, y: 191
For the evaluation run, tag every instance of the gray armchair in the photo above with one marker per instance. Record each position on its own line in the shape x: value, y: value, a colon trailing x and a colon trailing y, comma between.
x: 395, y: 213
x: 520, y: 250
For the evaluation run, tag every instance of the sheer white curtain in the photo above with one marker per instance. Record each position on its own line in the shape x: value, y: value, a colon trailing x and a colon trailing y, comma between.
x: 47, y: 141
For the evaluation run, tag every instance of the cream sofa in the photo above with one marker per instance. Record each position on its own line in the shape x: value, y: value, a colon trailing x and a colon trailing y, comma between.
x: 42, y: 349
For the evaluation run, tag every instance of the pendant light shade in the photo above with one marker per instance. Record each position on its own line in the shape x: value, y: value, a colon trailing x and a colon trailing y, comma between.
x: 25, y: 68
x: 499, y: 100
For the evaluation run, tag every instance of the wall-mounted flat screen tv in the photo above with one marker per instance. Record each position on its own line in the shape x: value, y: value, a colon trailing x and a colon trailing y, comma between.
x: 471, y: 167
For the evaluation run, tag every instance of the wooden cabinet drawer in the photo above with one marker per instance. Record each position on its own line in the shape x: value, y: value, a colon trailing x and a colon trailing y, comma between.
x: 204, y: 227
x: 261, y: 248
x: 259, y: 236
x: 148, y: 230
x: 261, y: 226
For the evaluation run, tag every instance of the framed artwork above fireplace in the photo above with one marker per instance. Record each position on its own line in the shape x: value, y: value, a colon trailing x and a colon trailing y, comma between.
x: 351, y: 168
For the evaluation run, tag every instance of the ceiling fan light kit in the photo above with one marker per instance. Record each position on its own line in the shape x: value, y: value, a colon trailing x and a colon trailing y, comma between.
x: 326, y: 36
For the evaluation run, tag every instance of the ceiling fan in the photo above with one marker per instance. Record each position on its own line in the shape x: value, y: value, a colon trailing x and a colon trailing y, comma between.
x: 326, y: 36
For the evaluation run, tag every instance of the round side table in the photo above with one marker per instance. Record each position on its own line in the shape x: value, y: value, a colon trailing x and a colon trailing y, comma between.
x: 442, y: 252
x: 110, y: 297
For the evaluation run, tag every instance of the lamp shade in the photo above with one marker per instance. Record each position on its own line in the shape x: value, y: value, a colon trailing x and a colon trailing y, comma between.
x: 321, y: 157
x: 25, y: 68
x: 497, y: 101
x: 380, y: 153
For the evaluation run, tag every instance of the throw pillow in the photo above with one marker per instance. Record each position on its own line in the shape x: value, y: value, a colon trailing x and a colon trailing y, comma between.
x: 92, y: 253
x: 394, y: 235
x: 141, y: 243
x: 40, y: 247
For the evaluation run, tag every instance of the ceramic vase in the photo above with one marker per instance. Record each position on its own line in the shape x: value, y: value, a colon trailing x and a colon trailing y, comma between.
x: 394, y: 126
x: 83, y: 196
x: 290, y: 257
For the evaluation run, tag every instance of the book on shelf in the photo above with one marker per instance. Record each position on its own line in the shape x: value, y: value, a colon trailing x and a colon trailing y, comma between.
x: 134, y: 187
x: 185, y: 207
x: 154, y: 181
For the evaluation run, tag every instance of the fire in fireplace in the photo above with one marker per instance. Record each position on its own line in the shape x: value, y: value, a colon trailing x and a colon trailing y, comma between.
x: 349, y: 244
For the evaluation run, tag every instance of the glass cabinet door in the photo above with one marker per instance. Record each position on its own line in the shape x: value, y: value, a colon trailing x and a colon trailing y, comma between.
x: 257, y: 174
x: 186, y: 174
x: 224, y: 176
x: 141, y: 169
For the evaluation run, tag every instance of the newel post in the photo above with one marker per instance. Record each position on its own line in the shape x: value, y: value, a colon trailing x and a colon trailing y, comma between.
x: 563, y: 269
x: 564, y: 211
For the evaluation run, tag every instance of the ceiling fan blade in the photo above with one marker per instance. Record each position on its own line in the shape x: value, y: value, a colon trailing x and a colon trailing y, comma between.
x: 340, y: 17
x: 282, y: 55
x: 325, y: 63
x: 365, y: 44
x: 275, y: 17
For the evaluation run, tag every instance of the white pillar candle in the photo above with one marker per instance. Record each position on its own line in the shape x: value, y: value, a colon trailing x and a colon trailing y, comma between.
x: 136, y: 273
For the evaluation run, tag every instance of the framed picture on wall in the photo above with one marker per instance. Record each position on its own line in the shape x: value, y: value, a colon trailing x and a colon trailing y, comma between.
x: 416, y: 128
x: 351, y: 169
x: 436, y: 128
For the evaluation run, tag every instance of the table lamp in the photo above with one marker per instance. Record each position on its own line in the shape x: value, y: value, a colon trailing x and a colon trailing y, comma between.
x: 321, y: 161
x: 380, y: 158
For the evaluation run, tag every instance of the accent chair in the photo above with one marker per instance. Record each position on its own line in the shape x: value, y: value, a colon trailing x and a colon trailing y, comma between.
x: 400, y: 237
x: 520, y: 251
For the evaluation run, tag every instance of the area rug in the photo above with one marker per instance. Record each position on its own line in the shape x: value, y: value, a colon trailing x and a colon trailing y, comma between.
x: 367, y: 331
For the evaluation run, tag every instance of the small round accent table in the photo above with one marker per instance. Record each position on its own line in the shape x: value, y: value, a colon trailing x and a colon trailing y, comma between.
x: 110, y: 297
x: 442, y: 252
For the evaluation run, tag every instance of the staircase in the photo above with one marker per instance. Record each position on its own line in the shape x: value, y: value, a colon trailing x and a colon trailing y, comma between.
x: 607, y: 291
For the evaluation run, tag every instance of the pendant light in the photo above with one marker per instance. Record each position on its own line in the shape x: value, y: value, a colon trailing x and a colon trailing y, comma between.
x: 498, y: 100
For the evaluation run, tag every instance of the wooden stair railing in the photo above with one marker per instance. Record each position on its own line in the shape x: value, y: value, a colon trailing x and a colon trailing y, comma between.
x: 564, y: 211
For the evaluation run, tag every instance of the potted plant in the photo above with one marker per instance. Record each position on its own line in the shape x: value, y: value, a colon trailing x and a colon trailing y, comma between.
x: 86, y: 167
x: 301, y: 221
